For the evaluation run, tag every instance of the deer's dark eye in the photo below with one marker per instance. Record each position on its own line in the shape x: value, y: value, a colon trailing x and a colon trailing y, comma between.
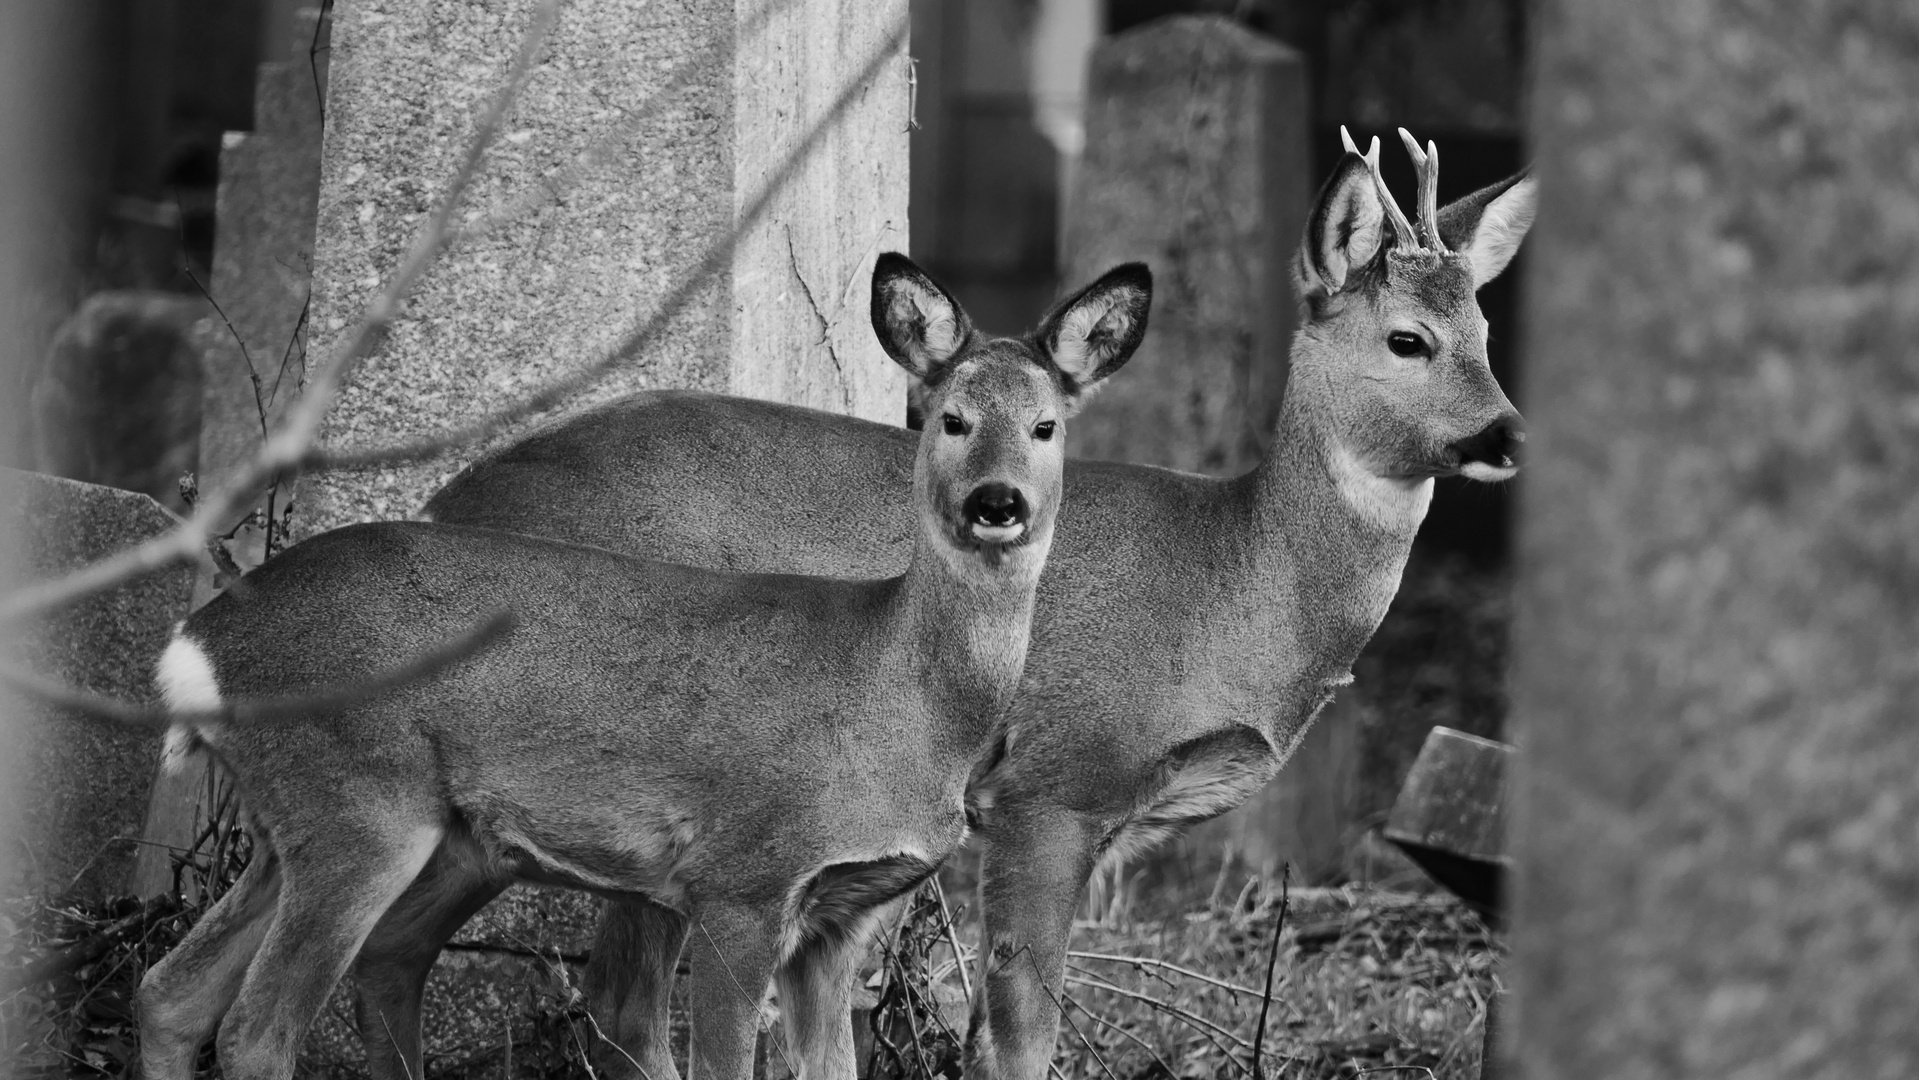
x: 953, y: 425
x: 1403, y: 343
x: 1044, y: 430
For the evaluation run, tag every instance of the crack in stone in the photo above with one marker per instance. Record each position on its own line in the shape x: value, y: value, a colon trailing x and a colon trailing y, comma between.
x: 826, y: 326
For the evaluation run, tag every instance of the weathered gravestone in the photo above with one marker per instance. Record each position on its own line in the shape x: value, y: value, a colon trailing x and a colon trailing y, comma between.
x: 704, y: 104
x: 83, y: 784
x: 1717, y: 647
x: 118, y: 401
x: 1196, y: 161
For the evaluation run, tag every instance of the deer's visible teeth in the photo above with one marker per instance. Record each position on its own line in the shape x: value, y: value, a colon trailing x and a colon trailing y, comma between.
x: 998, y: 534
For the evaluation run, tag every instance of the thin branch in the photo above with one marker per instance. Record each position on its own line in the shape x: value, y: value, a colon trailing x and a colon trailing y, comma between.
x: 262, y: 708
x: 676, y: 301
x: 1137, y: 1041
x: 1193, y: 1020
x: 288, y: 447
x: 1145, y: 961
x: 952, y: 939
x: 1272, y: 961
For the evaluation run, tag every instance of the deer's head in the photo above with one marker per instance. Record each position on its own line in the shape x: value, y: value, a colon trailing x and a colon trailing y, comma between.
x: 992, y: 449
x: 1390, y: 362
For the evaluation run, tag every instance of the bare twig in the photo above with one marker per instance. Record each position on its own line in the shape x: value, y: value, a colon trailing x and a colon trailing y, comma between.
x: 676, y: 301
x: 1137, y: 1041
x: 1193, y: 1020
x: 288, y: 447
x: 1272, y: 961
x: 1149, y: 962
x: 263, y: 708
x: 952, y: 940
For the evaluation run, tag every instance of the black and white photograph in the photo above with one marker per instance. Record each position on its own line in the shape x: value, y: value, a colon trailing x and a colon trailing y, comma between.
x: 959, y: 539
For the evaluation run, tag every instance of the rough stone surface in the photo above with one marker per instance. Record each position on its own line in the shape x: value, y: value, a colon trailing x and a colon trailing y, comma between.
x: 1717, y: 647
x: 118, y: 401
x: 85, y: 783
x: 565, y: 284
x: 1195, y: 162
x: 788, y: 319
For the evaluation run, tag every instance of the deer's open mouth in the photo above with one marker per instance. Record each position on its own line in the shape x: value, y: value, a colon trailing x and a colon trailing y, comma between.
x: 998, y: 534
x: 1489, y: 471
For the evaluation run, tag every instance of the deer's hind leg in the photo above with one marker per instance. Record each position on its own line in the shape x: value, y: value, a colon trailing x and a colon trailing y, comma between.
x: 339, y: 879
x: 183, y: 997
x: 392, y: 967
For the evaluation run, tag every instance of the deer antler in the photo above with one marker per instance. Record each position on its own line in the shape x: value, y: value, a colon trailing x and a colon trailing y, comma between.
x: 1402, y: 229
x: 1428, y: 165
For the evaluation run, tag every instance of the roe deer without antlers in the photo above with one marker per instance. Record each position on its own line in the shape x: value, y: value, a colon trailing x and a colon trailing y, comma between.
x: 1187, y: 628
x: 773, y: 757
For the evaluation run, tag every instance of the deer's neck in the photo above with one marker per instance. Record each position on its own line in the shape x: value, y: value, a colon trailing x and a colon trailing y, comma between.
x: 964, y: 628
x: 1337, y: 533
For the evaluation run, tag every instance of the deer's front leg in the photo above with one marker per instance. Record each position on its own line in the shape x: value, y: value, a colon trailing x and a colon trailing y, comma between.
x: 629, y: 987
x: 1034, y: 864
x: 734, y: 950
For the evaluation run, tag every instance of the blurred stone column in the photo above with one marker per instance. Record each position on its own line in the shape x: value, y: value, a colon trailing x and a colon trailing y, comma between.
x: 1717, y: 647
x: 1196, y: 161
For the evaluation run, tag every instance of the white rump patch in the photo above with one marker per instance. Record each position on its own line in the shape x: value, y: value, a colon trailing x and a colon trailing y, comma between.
x: 187, y: 685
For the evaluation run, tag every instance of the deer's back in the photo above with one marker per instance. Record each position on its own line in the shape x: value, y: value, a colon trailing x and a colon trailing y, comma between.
x: 1148, y: 566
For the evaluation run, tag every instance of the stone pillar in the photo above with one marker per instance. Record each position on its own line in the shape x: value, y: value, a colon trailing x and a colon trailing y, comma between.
x: 83, y: 788
x: 1716, y: 657
x: 1196, y: 161
x: 788, y: 319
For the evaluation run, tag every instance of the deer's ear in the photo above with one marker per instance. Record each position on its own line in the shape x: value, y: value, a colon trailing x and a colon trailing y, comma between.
x: 1091, y: 333
x: 1344, y: 231
x: 918, y: 323
x: 1488, y: 225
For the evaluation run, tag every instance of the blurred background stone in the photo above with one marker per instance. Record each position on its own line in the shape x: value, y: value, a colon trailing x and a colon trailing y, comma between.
x: 118, y: 402
x: 83, y: 790
x: 1717, y: 647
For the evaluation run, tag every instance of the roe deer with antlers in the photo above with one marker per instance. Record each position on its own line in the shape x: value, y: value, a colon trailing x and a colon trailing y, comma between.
x: 772, y: 757
x: 1188, y: 628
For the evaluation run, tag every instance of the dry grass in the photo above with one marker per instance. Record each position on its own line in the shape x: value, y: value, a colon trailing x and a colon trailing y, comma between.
x: 1365, y: 983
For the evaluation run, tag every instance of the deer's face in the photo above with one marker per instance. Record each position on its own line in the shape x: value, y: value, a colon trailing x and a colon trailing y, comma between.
x: 992, y: 448
x: 1401, y: 365
x: 993, y: 410
x: 1391, y: 357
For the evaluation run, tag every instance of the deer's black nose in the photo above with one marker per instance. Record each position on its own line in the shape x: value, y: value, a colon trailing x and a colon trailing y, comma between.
x: 996, y: 506
x: 1497, y: 444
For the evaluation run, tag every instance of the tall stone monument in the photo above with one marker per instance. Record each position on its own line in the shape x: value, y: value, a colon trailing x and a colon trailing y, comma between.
x: 1717, y: 646
x: 704, y: 106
